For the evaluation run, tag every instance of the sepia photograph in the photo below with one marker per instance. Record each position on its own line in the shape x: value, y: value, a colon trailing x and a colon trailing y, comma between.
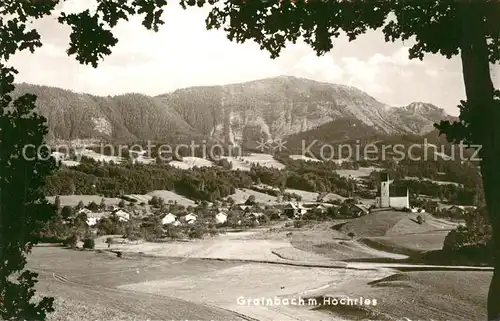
x: 260, y: 160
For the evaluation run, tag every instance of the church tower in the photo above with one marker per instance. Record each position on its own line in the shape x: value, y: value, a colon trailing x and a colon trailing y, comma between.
x: 385, y: 199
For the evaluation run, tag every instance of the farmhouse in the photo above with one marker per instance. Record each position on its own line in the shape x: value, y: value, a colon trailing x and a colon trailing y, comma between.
x: 93, y: 218
x: 460, y: 210
x: 221, y: 218
x: 123, y: 216
x: 256, y: 215
x: 357, y: 210
x: 294, y: 209
x: 168, y: 219
x: 391, y: 198
x: 321, y: 209
x: 190, y: 218
x: 317, y: 208
x: 85, y: 211
x: 245, y: 208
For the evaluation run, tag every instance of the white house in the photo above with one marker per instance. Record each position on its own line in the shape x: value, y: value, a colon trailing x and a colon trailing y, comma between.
x: 245, y: 208
x: 168, y: 219
x: 190, y: 218
x: 221, y: 218
x: 123, y: 216
x: 256, y: 215
x: 85, y: 211
x: 91, y: 221
x: 93, y: 218
x: 294, y: 210
x: 386, y: 200
x: 320, y: 208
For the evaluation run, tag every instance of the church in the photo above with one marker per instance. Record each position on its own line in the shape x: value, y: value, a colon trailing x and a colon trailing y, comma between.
x: 390, y: 198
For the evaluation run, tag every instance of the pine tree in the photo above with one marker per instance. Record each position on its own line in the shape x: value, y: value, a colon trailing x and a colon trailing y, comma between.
x: 58, y: 204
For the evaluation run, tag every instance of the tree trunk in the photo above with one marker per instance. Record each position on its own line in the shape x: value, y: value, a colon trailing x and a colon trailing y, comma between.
x: 485, y: 127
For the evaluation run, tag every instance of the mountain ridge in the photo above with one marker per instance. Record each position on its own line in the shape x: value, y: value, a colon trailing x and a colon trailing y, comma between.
x: 237, y: 113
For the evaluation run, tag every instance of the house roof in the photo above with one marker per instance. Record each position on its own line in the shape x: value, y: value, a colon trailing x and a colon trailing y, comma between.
x: 169, y: 214
x: 98, y: 215
x: 295, y: 206
x: 362, y: 207
x: 462, y: 207
x: 312, y: 205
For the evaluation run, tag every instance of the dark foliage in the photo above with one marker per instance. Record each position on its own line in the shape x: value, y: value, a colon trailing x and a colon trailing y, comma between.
x: 88, y: 243
x: 23, y: 208
x: 67, y: 212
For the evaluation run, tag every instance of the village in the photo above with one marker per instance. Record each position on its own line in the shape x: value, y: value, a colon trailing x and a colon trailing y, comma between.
x: 160, y: 217
x: 332, y: 246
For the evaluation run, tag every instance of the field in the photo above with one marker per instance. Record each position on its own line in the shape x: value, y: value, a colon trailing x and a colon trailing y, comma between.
x: 410, y: 243
x: 265, y: 160
x: 304, y: 158
x: 391, y: 223
x: 238, y: 163
x: 428, y: 295
x: 168, y: 196
x: 70, y: 163
x: 85, y: 284
x: 433, y: 181
x: 98, y: 157
x: 182, y: 286
x: 243, y: 163
x: 335, y: 245
x: 358, y: 173
x: 333, y: 197
x: 205, y: 279
x: 242, y: 195
x: 307, y: 197
x: 73, y: 200
x: 190, y: 162
x: 399, y: 232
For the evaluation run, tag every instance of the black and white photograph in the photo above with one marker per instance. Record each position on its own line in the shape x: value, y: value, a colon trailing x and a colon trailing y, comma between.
x: 260, y: 160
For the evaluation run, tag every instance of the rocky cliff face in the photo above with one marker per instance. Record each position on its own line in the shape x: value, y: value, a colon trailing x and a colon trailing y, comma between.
x: 281, y: 106
x: 237, y: 113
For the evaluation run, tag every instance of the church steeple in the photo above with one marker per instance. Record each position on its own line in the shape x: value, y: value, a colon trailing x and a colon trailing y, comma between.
x: 385, y: 198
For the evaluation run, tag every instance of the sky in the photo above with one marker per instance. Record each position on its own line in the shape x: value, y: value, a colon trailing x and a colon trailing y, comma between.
x: 183, y: 53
